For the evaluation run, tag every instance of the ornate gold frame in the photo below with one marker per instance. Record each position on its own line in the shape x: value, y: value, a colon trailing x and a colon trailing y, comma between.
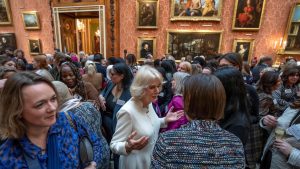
x: 8, y: 12
x: 288, y: 28
x: 194, y: 31
x: 195, y: 18
x: 137, y: 14
x: 39, y: 44
x: 249, y: 29
x: 251, y: 41
x: 139, y: 45
x: 37, y: 19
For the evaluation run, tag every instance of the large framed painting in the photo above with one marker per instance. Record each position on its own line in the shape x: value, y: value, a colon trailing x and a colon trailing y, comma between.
x: 292, y: 35
x: 5, y: 14
x: 7, y: 41
x: 181, y: 43
x: 196, y: 10
x: 31, y: 20
x: 146, y: 47
x: 147, y: 14
x: 35, y: 46
x: 248, y: 14
x: 244, y: 47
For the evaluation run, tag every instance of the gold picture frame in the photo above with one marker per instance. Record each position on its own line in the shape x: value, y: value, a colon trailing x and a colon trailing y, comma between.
x: 181, y: 43
x: 35, y: 47
x: 5, y: 14
x: 147, y: 12
x: 145, y: 46
x: 248, y: 14
x: 244, y: 47
x: 292, y: 33
x: 31, y: 20
x: 188, y: 11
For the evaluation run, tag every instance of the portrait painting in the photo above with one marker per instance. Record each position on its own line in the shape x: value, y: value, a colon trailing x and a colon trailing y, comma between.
x: 196, y: 10
x: 146, y: 47
x: 31, y: 20
x: 7, y: 41
x: 293, y: 33
x: 35, y: 46
x: 248, y: 14
x: 181, y: 43
x: 147, y: 13
x: 5, y: 15
x: 244, y: 47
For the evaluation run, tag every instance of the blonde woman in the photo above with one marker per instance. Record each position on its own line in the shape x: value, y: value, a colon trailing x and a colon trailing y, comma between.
x: 137, y: 123
x: 92, y: 76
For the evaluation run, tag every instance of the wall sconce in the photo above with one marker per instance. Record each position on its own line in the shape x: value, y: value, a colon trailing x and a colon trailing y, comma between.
x: 279, y: 46
x: 98, y: 33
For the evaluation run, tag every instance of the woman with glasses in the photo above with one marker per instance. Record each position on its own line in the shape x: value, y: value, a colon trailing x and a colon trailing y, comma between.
x: 113, y: 97
x: 287, y: 91
x: 137, y: 123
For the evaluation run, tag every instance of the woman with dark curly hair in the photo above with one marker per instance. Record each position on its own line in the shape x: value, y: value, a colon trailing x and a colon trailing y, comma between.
x: 85, y: 91
x: 287, y: 91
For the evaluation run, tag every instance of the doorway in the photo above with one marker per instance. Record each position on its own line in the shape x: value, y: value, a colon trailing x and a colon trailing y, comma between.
x: 80, y: 28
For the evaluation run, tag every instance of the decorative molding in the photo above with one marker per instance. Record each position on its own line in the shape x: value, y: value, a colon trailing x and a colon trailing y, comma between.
x: 112, y: 25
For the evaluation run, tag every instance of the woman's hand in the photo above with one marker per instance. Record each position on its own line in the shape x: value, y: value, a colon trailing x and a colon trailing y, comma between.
x: 102, y: 103
x: 284, y: 147
x: 270, y: 121
x: 92, y: 165
x: 132, y: 144
x: 173, y: 116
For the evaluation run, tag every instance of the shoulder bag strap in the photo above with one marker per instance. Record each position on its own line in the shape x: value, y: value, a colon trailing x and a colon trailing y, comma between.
x: 70, y: 120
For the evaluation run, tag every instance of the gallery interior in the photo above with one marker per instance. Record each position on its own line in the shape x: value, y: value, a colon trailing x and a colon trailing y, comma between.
x: 117, y: 27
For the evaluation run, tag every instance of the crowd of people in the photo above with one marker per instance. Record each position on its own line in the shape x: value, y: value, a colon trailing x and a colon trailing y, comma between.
x: 78, y: 111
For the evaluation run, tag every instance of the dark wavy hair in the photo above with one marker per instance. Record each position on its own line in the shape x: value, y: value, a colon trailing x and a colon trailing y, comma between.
x: 288, y: 71
x: 236, y: 95
x: 267, y: 81
x: 123, y: 69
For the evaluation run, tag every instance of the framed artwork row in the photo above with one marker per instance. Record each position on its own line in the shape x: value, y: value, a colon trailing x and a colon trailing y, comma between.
x: 181, y: 43
x: 247, y: 15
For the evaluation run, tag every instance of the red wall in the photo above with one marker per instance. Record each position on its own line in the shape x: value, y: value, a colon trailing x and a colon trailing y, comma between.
x: 45, y: 34
x: 273, y: 27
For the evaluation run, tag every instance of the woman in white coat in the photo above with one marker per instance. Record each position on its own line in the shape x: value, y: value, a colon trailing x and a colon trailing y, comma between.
x: 137, y: 123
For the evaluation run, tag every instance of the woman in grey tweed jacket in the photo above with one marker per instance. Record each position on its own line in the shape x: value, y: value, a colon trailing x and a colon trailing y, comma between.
x: 201, y: 143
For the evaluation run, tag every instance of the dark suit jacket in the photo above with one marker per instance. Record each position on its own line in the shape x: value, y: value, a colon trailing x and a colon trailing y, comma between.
x: 125, y: 96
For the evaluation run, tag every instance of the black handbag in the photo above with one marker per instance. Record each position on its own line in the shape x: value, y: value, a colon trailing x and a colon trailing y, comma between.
x: 86, y: 153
